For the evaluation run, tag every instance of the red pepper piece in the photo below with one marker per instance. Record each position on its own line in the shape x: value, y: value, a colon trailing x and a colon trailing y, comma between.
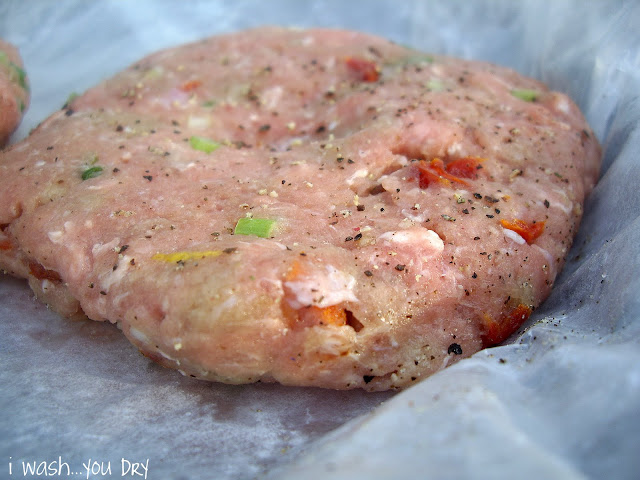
x: 364, y: 70
x: 434, y: 171
x: 464, y: 167
x: 190, y: 85
x: 42, y: 273
x: 496, y: 332
x: 529, y: 231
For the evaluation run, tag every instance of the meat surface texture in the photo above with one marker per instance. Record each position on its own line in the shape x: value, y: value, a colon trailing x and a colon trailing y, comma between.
x: 14, y: 90
x: 311, y: 207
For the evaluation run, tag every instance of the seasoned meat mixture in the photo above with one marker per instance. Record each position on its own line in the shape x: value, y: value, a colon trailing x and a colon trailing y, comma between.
x: 14, y: 90
x: 312, y: 207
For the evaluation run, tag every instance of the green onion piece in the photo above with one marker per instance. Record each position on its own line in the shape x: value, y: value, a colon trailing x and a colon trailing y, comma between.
x: 209, y: 103
x: 72, y: 96
x: 260, y: 227
x: 435, y: 85
x: 91, y: 172
x: 417, y: 59
x: 22, y: 76
x: 525, y: 94
x: 15, y: 70
x: 91, y: 158
x: 203, y: 144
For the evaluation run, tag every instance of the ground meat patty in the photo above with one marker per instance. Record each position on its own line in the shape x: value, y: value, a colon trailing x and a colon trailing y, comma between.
x: 312, y: 207
x: 14, y: 90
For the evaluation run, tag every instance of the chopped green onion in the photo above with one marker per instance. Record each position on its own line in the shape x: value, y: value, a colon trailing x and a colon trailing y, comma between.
x: 91, y: 158
x: 203, y: 144
x: 91, y: 172
x: 15, y: 70
x: 435, y: 85
x: 525, y: 94
x: 260, y: 227
x: 152, y: 74
x: 209, y: 103
x: 419, y: 58
x: 72, y: 96
x: 22, y: 76
x: 4, y: 59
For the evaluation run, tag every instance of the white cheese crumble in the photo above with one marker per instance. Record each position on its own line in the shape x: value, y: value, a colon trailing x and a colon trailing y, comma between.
x: 423, y: 238
x: 56, y: 236
x: 198, y: 122
x: 513, y: 236
x: 322, y: 289
x: 362, y: 173
x: 138, y: 335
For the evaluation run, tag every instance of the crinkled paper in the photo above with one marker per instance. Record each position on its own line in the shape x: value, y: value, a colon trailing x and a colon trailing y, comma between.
x: 561, y: 400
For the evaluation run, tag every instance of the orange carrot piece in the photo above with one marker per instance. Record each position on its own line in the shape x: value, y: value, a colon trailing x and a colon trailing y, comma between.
x: 332, y: 315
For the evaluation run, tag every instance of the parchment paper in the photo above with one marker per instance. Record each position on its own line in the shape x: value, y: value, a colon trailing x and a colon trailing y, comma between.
x: 561, y: 400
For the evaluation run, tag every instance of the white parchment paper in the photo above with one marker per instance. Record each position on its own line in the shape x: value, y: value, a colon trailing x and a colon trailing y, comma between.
x: 559, y: 401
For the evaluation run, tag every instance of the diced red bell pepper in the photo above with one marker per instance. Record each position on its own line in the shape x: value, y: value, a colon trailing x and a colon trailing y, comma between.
x: 190, y: 85
x: 464, y: 167
x: 529, y: 231
x: 435, y: 171
x: 496, y: 332
x: 364, y: 70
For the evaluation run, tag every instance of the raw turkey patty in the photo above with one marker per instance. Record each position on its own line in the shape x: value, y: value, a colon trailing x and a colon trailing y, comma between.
x: 14, y: 90
x: 312, y: 207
